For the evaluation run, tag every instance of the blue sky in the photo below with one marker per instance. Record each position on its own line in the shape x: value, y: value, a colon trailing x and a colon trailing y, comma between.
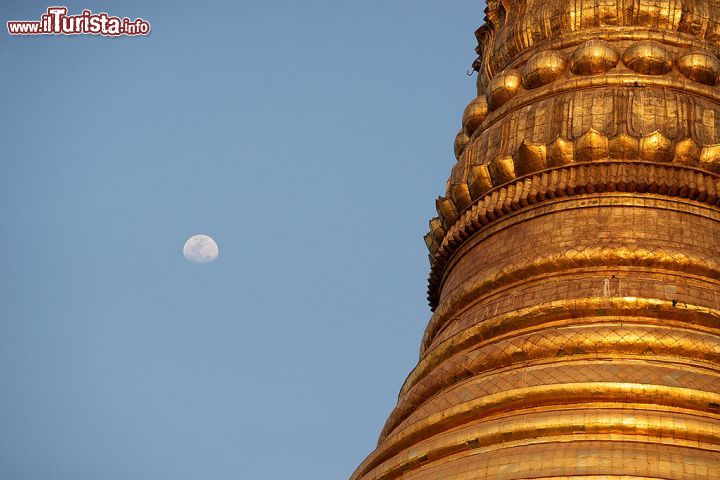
x: 309, y: 138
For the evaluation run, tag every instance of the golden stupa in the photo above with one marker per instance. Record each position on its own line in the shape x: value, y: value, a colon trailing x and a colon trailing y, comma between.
x: 575, y: 262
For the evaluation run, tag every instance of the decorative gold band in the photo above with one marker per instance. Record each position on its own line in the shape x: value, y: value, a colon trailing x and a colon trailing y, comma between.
x: 576, y: 311
x: 577, y: 341
x: 579, y: 179
x: 673, y: 261
x: 579, y: 422
x: 557, y: 394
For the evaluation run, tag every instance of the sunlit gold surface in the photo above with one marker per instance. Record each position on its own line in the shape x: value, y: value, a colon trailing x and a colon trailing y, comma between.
x: 575, y: 258
x: 701, y: 67
x: 649, y: 58
x: 503, y: 87
x: 594, y: 56
x: 475, y: 114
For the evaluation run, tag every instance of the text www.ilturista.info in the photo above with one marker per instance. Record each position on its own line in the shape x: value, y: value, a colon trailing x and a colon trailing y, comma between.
x: 56, y: 21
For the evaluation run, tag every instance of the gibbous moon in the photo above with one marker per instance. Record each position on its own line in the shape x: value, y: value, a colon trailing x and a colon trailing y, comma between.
x: 200, y: 249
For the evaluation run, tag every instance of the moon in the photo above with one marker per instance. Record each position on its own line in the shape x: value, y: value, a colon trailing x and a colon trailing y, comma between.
x: 200, y: 249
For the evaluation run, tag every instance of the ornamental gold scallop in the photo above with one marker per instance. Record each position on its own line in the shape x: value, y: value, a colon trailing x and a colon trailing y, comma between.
x: 530, y: 157
x: 479, y: 181
x: 590, y: 146
x: 687, y: 152
x: 700, y: 66
x: 474, y: 115
x: 460, y: 195
x: 648, y: 58
x: 592, y: 57
x: 461, y: 141
x: 560, y: 152
x: 502, y: 88
x: 543, y: 68
x: 710, y: 158
x: 436, y: 228
x: 656, y: 147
